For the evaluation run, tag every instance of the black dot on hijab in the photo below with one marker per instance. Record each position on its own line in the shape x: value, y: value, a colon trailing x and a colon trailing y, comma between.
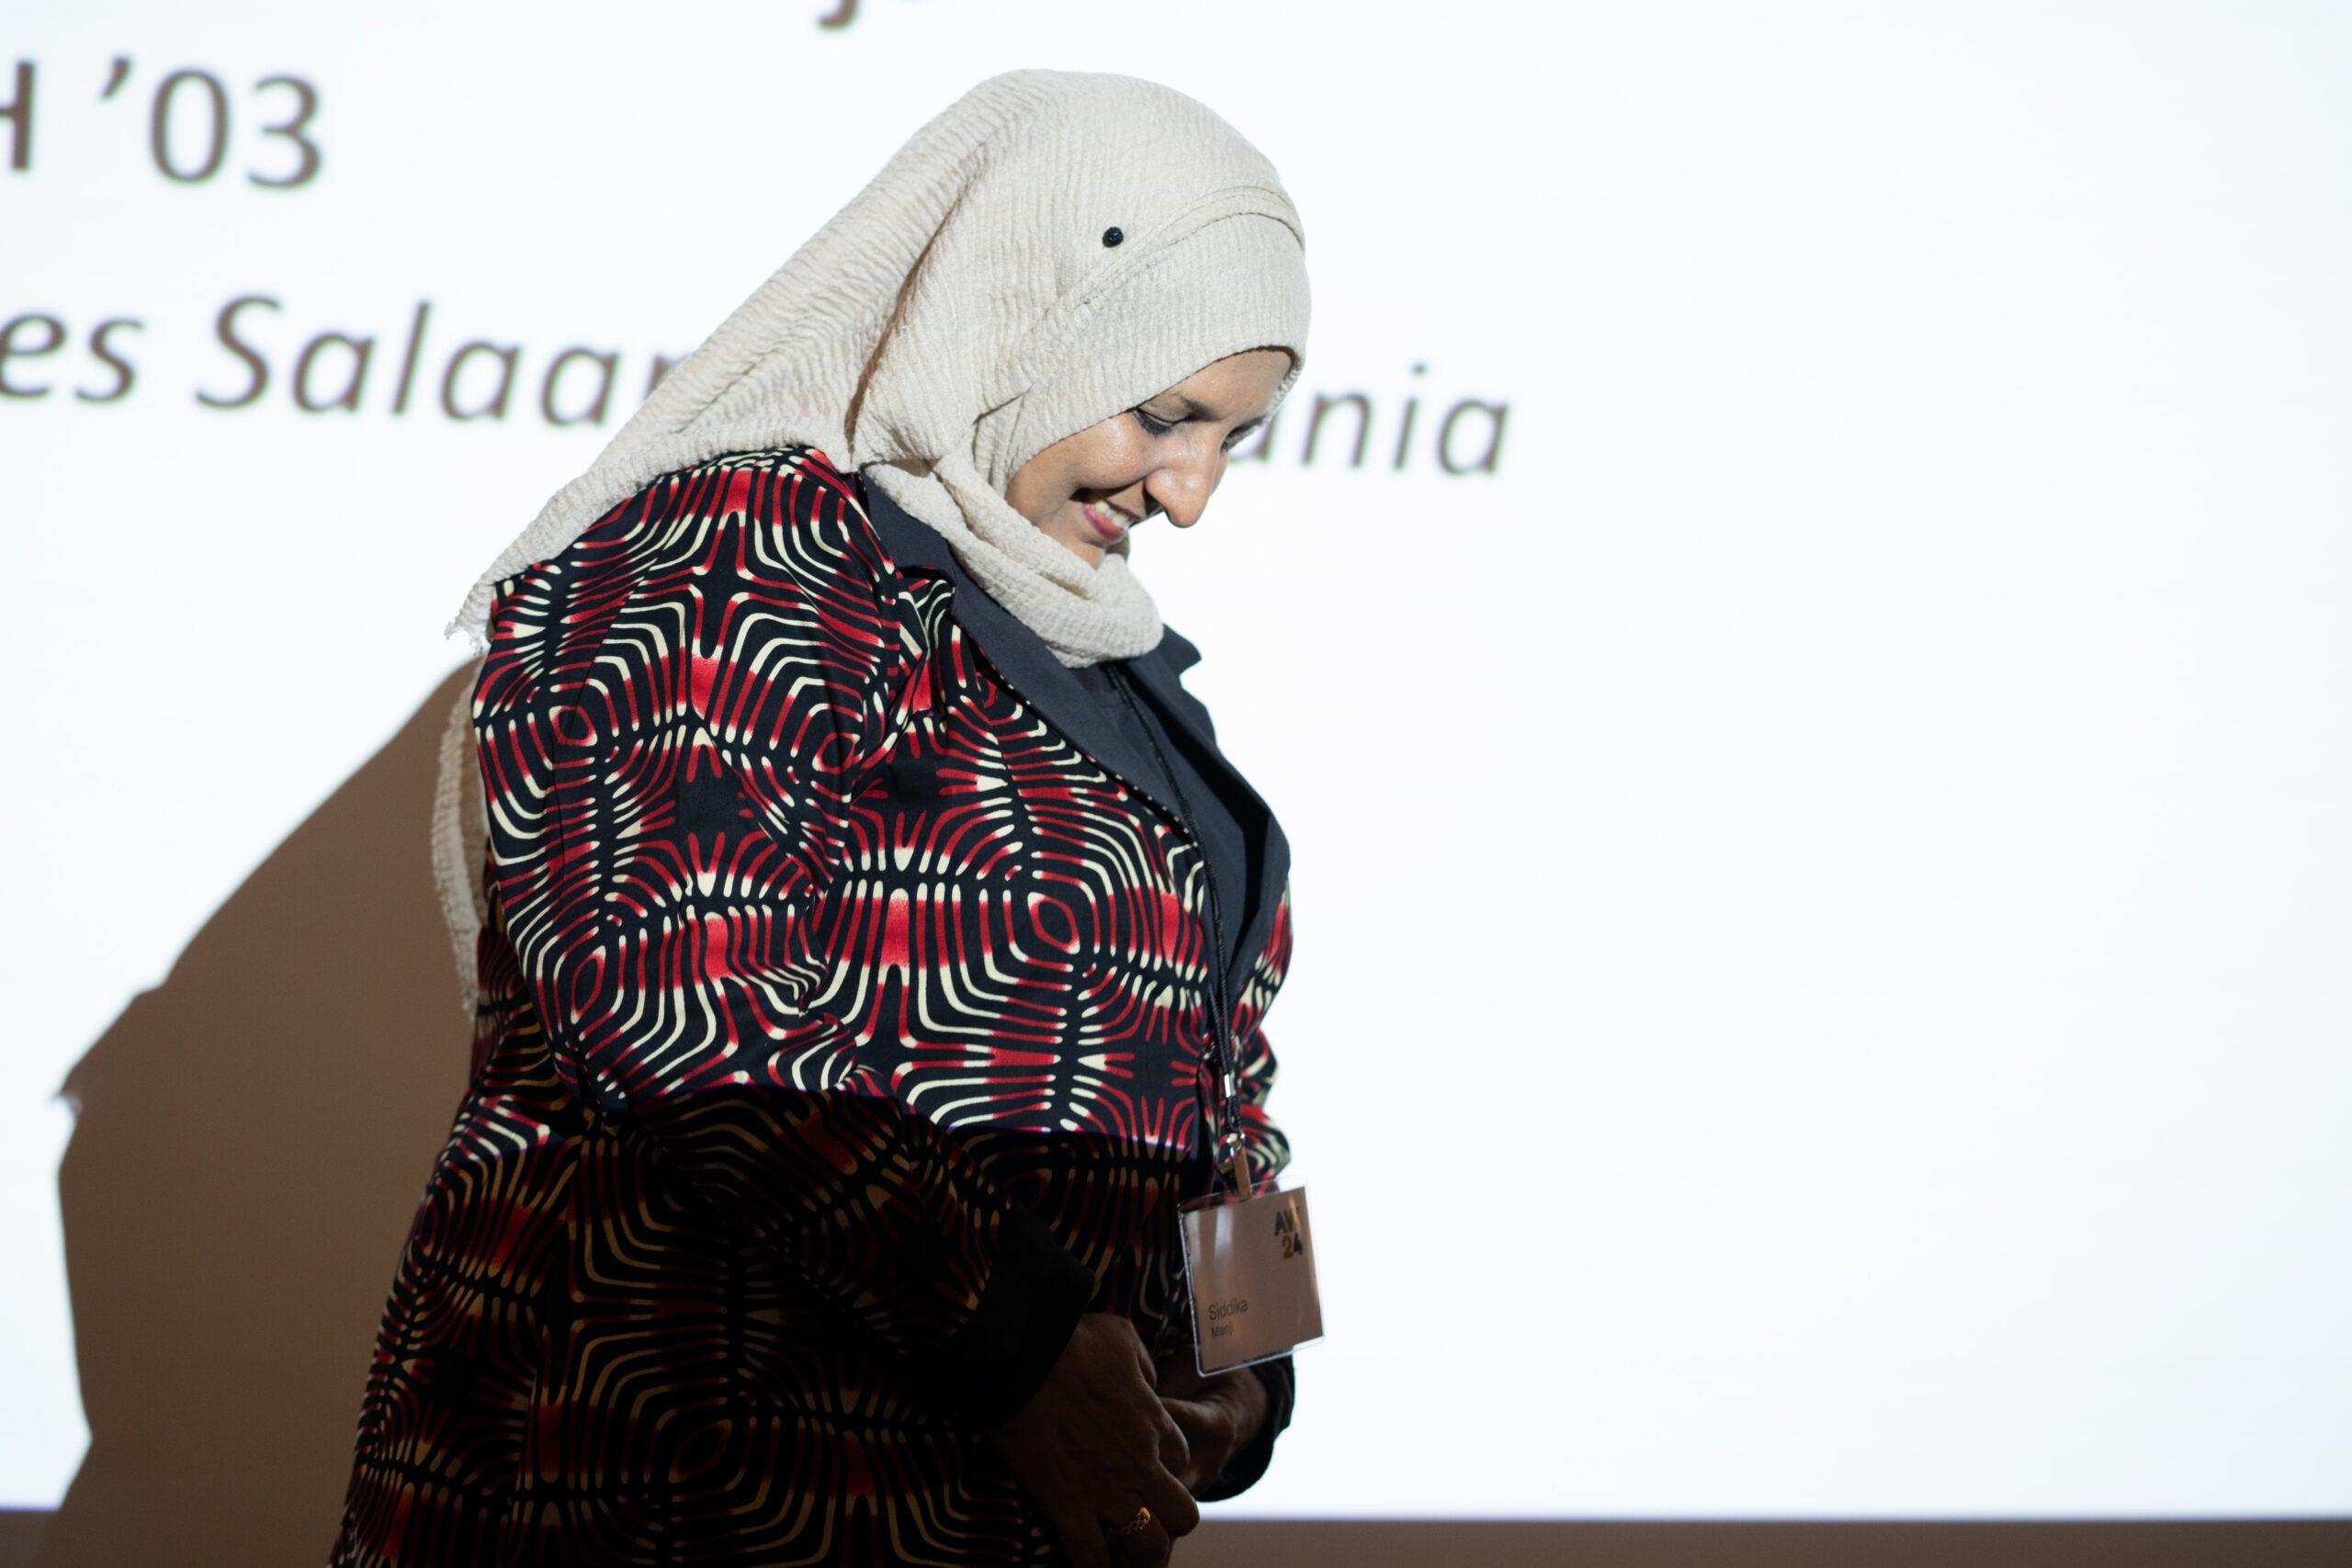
x: 1111, y: 237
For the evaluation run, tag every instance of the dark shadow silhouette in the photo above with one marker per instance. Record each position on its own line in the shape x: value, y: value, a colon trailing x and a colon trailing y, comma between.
x: 250, y: 1142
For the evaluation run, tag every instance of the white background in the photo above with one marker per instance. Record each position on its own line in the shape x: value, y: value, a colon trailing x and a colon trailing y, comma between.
x: 1825, y: 960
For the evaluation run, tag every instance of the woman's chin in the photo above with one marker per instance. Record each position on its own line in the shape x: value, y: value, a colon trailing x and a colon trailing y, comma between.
x: 1083, y: 540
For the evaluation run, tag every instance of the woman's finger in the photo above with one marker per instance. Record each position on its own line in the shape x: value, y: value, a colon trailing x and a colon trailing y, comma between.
x: 1175, y: 1446
x: 1084, y: 1539
x: 1205, y: 1450
x: 1147, y: 1548
x: 1172, y: 1508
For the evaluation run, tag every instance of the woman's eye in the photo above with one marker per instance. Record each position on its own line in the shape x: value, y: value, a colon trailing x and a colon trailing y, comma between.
x: 1152, y: 426
x: 1243, y: 432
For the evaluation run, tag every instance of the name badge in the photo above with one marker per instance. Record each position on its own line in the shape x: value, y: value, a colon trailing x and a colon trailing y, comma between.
x: 1251, y: 1265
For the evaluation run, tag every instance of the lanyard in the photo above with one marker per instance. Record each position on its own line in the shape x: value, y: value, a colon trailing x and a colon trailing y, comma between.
x: 1232, y: 1154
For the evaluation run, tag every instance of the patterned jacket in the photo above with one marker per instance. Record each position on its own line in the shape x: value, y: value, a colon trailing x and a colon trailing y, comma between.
x: 842, y: 1040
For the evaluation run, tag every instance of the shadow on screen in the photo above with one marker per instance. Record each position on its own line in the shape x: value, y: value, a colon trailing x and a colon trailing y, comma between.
x: 250, y: 1141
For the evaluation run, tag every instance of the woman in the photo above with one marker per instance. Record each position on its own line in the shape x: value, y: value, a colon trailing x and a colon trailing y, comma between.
x: 858, y: 878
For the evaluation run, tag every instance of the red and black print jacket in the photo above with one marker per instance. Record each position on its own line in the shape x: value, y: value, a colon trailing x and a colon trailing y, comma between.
x: 843, y: 1036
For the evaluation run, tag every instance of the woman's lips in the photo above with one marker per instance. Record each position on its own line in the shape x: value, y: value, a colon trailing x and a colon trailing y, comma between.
x: 1109, y: 524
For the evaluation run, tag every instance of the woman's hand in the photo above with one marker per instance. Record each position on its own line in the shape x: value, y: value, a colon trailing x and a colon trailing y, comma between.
x: 1218, y: 1414
x: 1094, y: 1444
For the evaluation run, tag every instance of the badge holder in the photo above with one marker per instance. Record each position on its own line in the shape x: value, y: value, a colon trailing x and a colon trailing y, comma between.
x: 1249, y: 1265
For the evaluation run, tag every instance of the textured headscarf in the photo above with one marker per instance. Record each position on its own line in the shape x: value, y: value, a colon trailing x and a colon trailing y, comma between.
x: 1050, y: 251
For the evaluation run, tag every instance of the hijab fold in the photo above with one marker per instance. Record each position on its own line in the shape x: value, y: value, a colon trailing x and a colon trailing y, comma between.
x: 1050, y: 251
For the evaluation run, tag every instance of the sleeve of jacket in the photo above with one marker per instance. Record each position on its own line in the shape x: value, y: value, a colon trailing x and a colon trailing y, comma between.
x: 1269, y: 1148
x: 1269, y: 1156
x: 675, y: 718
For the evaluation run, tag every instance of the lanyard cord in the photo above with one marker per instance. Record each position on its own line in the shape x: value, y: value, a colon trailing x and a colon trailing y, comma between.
x: 1232, y: 1153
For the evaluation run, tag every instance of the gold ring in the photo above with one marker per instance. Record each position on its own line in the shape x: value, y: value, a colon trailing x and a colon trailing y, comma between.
x: 1142, y: 1519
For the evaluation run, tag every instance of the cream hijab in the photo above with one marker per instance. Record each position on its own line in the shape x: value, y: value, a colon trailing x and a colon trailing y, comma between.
x: 1051, y: 250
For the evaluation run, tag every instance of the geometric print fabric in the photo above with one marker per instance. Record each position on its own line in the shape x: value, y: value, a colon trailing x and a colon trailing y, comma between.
x: 822, y: 975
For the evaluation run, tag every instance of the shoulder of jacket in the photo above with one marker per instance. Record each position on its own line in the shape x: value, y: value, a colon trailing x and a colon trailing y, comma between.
x: 810, y: 475
x: 815, y: 500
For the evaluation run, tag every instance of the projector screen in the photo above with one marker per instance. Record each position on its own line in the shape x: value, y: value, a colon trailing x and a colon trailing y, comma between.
x: 1838, y: 1006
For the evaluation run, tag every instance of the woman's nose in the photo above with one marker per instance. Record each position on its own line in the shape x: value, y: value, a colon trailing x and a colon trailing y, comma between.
x: 1182, y: 487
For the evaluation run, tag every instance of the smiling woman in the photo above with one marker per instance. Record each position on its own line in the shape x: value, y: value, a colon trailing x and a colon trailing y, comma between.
x: 1164, y: 456
x: 866, y: 939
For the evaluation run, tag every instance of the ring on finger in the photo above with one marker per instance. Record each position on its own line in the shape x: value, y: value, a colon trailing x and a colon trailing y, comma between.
x: 1140, y: 1522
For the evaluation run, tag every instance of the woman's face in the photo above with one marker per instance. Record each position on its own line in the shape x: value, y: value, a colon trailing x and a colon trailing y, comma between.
x: 1164, y: 455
